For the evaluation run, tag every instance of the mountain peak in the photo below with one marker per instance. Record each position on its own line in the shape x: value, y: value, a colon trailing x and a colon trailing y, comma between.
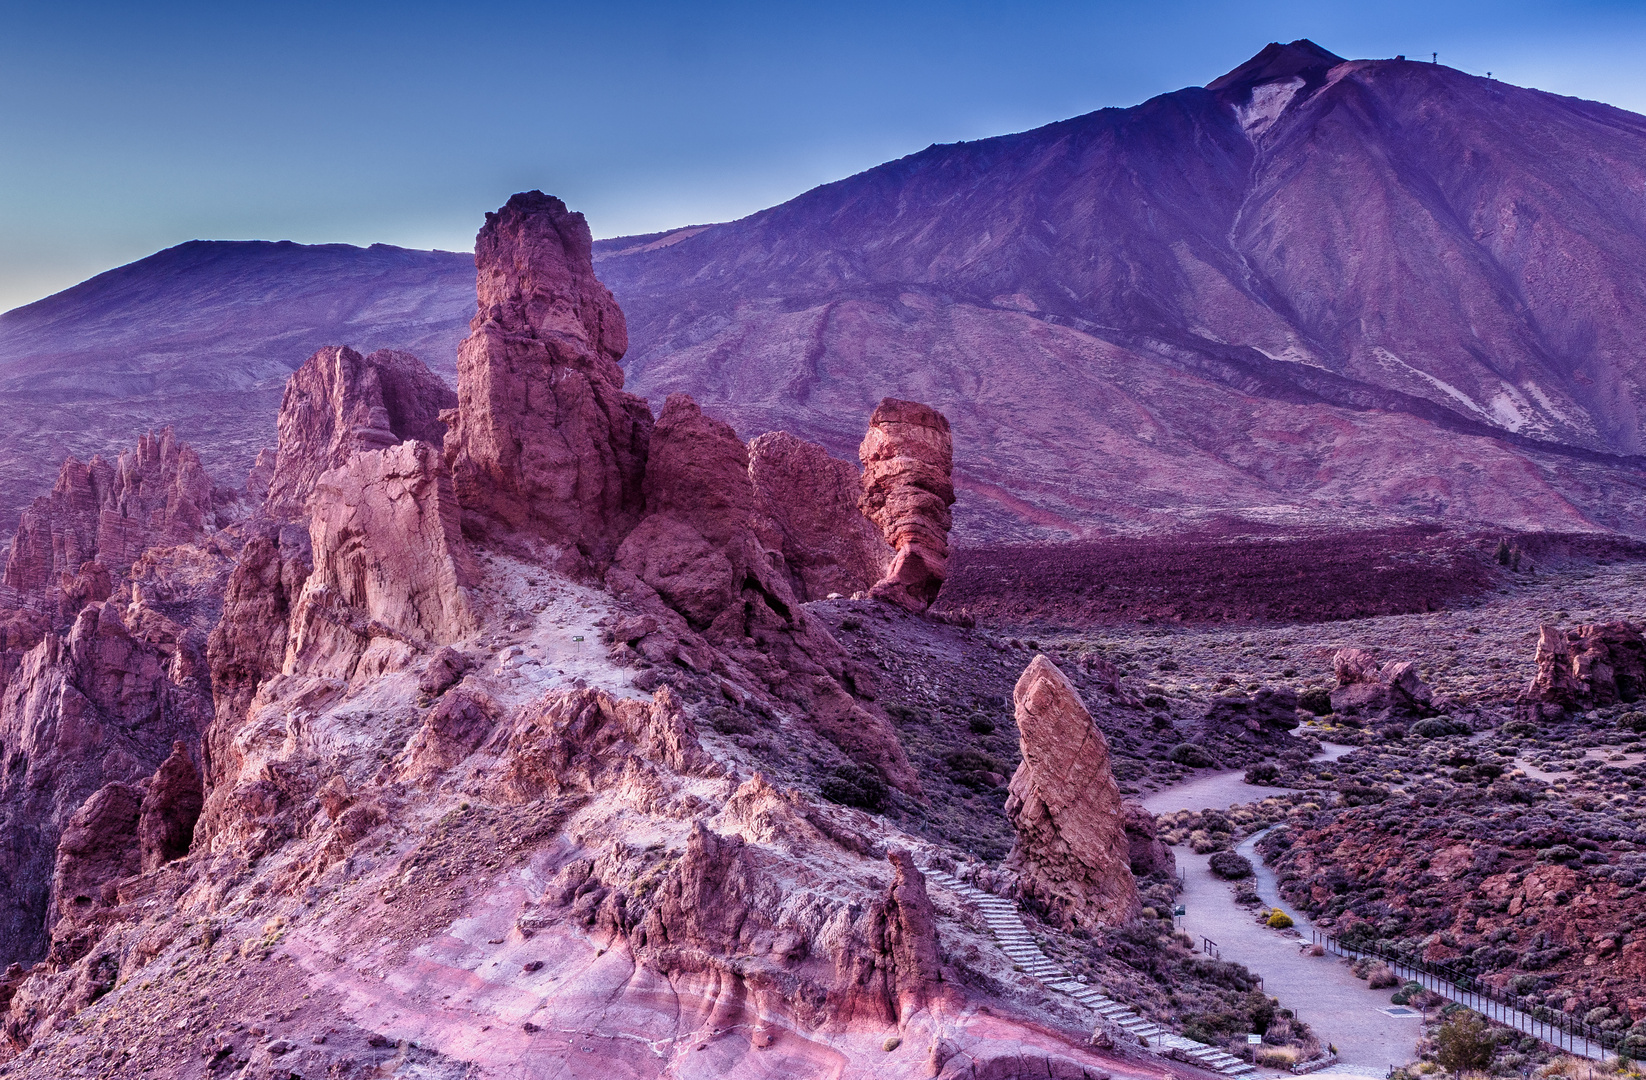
x: 1277, y: 61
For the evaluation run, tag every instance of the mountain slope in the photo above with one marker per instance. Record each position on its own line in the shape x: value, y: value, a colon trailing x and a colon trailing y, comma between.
x: 1314, y: 291
x: 202, y: 336
x: 1314, y: 286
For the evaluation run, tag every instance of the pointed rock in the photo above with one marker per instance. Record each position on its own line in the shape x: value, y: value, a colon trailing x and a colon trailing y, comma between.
x: 546, y: 441
x: 339, y: 403
x: 1072, y: 853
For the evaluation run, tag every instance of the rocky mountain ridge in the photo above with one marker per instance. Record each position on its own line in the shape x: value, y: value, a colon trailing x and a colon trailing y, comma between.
x: 1314, y: 292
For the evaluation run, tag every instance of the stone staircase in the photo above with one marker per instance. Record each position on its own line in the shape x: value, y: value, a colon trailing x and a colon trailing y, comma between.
x: 1017, y: 943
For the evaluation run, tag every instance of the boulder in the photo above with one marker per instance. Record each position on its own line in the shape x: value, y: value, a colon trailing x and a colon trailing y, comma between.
x: 1270, y: 710
x: 1072, y: 853
x: 339, y: 403
x: 1147, y: 853
x: 1364, y: 686
x: 1585, y: 667
x: 545, y: 442
x: 908, y: 487
x: 98, y: 847
x: 390, y: 562
x: 806, y: 507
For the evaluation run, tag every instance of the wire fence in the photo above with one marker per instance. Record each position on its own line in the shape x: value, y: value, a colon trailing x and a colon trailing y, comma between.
x: 1560, y: 1030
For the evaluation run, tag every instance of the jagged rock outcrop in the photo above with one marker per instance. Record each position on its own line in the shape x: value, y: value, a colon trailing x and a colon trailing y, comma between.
x: 908, y: 487
x: 1147, y: 853
x: 102, y: 705
x: 1072, y: 854
x: 171, y: 806
x: 391, y: 567
x: 1271, y: 710
x: 339, y: 403
x: 699, y: 554
x: 806, y: 503
x: 1365, y: 686
x: 98, y: 847
x: 545, y: 441
x: 1585, y: 667
x: 101, y: 516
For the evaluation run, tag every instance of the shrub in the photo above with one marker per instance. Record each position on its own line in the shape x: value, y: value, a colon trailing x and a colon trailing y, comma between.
x: 1192, y: 756
x: 1465, y: 1044
x: 1276, y: 1057
x: 1316, y: 700
x: 852, y: 786
x: 1279, y: 920
x: 981, y: 725
x: 1264, y: 773
x: 1228, y: 865
x: 1380, y: 977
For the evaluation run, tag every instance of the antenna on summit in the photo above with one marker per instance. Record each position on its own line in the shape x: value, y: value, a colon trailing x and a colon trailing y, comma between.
x: 1434, y: 58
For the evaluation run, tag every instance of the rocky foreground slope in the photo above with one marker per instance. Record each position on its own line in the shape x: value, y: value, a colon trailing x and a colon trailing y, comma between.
x: 1316, y: 291
x: 428, y: 760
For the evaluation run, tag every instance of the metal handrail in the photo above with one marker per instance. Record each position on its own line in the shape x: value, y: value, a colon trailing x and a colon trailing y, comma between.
x: 1558, y: 1029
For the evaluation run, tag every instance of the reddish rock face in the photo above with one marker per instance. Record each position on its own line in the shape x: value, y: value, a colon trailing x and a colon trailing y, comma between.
x: 1586, y: 667
x: 908, y: 459
x: 1148, y: 854
x: 1072, y: 854
x: 1365, y: 685
x: 165, y: 823
x: 98, y: 847
x: 390, y: 563
x: 806, y: 503
x: 546, y: 442
x: 101, y: 706
x: 339, y: 403
x: 100, y: 517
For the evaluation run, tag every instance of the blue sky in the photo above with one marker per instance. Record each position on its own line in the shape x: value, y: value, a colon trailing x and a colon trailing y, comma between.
x: 128, y: 128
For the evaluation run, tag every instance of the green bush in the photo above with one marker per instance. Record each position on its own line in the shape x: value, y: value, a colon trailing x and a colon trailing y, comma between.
x: 1316, y: 700
x: 1229, y: 866
x: 1279, y: 920
x: 1465, y: 1044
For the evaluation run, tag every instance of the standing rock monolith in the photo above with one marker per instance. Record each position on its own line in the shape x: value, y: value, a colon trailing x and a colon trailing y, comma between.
x: 545, y: 441
x: 1072, y: 855
x: 908, y: 487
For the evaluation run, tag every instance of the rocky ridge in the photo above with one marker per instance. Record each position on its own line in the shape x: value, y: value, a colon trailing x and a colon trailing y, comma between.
x: 415, y: 773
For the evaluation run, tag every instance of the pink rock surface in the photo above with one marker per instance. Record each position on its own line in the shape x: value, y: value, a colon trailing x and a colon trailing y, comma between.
x: 340, y: 403
x: 807, y: 509
x: 545, y: 441
x: 908, y: 461
x: 1586, y: 667
x: 1072, y: 852
x: 390, y: 561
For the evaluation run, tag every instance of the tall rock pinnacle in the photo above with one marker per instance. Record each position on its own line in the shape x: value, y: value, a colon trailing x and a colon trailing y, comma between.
x: 545, y: 441
x: 908, y: 487
x: 1072, y: 853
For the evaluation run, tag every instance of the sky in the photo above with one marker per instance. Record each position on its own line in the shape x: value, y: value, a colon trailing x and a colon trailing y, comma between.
x: 127, y: 128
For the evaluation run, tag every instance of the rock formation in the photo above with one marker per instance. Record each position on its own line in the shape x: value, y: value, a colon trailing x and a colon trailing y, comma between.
x: 699, y: 551
x: 1147, y: 853
x: 1364, y: 686
x: 171, y: 806
x: 908, y: 459
x: 1585, y: 667
x: 1072, y: 854
x: 545, y: 441
x: 102, y: 705
x: 390, y: 563
x: 339, y: 403
x: 100, y: 517
x: 807, y: 509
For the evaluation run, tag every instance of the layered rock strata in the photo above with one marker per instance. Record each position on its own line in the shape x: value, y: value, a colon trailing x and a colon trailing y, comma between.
x: 339, y: 403
x: 545, y: 441
x: 1072, y: 854
x: 908, y: 487
x: 1585, y: 667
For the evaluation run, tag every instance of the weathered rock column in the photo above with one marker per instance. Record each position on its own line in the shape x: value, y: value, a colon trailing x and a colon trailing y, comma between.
x: 908, y: 487
x: 1072, y: 853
